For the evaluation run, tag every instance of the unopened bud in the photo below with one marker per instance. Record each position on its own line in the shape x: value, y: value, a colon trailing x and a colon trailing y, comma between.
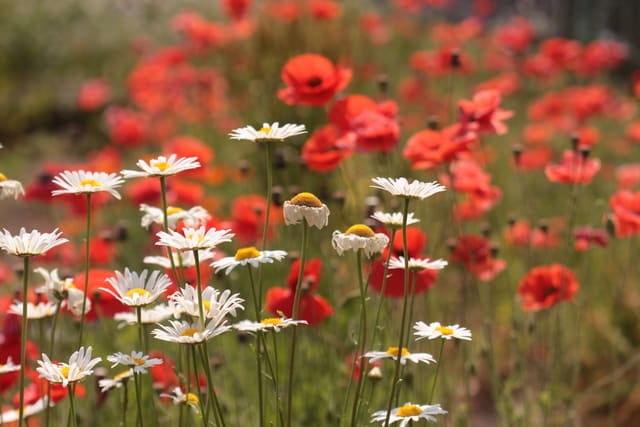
x: 375, y: 373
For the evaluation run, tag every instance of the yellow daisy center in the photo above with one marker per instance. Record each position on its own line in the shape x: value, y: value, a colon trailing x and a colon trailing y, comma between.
x: 137, y: 291
x: 247, y: 253
x: 122, y: 375
x: 273, y: 321
x: 190, y: 332
x: 444, y: 330
x: 64, y: 371
x: 173, y: 210
x: 138, y: 361
x: 394, y: 351
x: 206, y: 305
x: 306, y: 199
x: 409, y: 411
x: 3, y: 177
x: 163, y: 166
x: 265, y: 129
x: 192, y: 398
x: 360, y: 230
x: 198, y: 237
x: 90, y: 183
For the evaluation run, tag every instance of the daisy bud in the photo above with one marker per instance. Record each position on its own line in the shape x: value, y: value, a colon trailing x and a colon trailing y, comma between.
x: 244, y: 167
x: 433, y: 123
x: 375, y: 373
x: 276, y: 195
x: 383, y: 84
x: 516, y: 151
x: 455, y: 59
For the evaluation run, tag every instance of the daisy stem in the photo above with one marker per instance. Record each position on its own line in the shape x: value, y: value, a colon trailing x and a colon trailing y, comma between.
x: 268, y: 163
x: 259, y: 342
x: 140, y: 329
x: 212, y: 393
x: 413, y: 276
x: 165, y: 225
x: 196, y: 259
x: 435, y: 377
x: 205, y: 411
x: 384, y: 286
x: 294, y: 316
x: 138, y: 382
x: 125, y: 402
x: 358, y: 359
x: 86, y: 269
x: 72, y: 408
x: 23, y: 341
x: 405, y: 299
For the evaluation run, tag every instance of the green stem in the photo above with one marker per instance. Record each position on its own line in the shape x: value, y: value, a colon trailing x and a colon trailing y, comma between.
x: 86, y: 270
x: 140, y: 329
x: 435, y: 377
x: 212, y: 393
x: 165, y: 226
x: 358, y: 359
x: 268, y: 163
x: 196, y: 258
x: 23, y: 342
x: 384, y: 286
x: 52, y: 337
x: 125, y: 402
x: 138, y: 383
x: 259, y: 346
x: 205, y: 411
x: 72, y: 408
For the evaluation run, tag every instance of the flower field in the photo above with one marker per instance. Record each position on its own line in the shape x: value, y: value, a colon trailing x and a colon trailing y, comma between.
x: 316, y: 213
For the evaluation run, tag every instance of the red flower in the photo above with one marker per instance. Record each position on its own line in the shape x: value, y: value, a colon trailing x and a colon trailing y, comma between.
x: 562, y: 52
x: 187, y: 146
x: 586, y: 237
x: 163, y: 375
x: 236, y: 9
x: 628, y: 176
x: 248, y: 212
x: 102, y: 250
x: 326, y: 148
x: 516, y: 35
x: 93, y: 94
x: 626, y: 211
x: 483, y: 112
x: 574, y: 168
x: 545, y: 286
x: 126, y: 127
x: 200, y: 33
x: 102, y: 303
x: 430, y: 148
x: 470, y: 178
x: 477, y: 256
x: 312, y: 79
x: 441, y: 62
x: 145, y: 190
x: 324, y: 9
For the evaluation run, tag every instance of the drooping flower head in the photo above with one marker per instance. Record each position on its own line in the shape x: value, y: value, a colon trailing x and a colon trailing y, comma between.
x: 359, y: 236
x: 306, y: 207
x: 10, y: 187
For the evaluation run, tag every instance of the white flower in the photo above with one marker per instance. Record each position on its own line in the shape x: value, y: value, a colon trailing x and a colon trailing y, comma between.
x: 135, y: 289
x: 306, y: 206
x: 34, y: 311
x: 162, y: 166
x: 183, y: 332
x: 267, y: 132
x: 194, y: 217
x: 190, y: 239
x: 394, y: 220
x: 392, y: 353
x: 57, y: 289
x: 30, y: 244
x: 107, y: 384
x: 408, y: 413
x: 436, y: 330
x: 84, y: 182
x: 248, y: 256
x: 357, y: 237
x: 186, y: 259
x: 10, y: 188
x: 139, y: 361
x: 80, y: 366
x: 268, y: 324
x: 12, y: 415
x: 156, y: 314
x: 178, y: 397
x: 402, y: 187
x: 9, y: 366
x: 418, y: 263
x: 215, y: 303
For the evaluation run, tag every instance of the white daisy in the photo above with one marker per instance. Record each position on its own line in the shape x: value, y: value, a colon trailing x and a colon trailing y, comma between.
x: 393, y: 220
x: 418, y: 263
x: 215, y: 303
x: 186, y: 259
x: 306, y: 206
x: 268, y: 324
x: 268, y: 132
x: 9, y: 366
x: 194, y: 217
x: 57, y: 289
x: 247, y: 256
x: 162, y: 166
x: 156, y: 314
x: 107, y: 384
x: 139, y: 361
x: 392, y: 353
x: 34, y: 311
x: 183, y: 332
x: 10, y: 188
x: 84, y: 182
x: 359, y: 236
x: 190, y: 239
x: 12, y: 415
x: 80, y: 366
x: 135, y: 289
x: 401, y: 187
x: 436, y: 330
x: 178, y: 397
x: 30, y: 244
x: 408, y: 413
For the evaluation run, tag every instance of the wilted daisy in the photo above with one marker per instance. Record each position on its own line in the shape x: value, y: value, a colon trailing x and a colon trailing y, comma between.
x: 215, y: 303
x: 138, y: 361
x: 268, y: 132
x: 9, y: 366
x: 30, y: 244
x: 107, y: 384
x: 84, y: 182
x: 10, y: 188
x: 394, y: 220
x: 155, y: 314
x: 408, y: 413
x: 183, y: 332
x: 359, y: 236
x: 193, y: 217
x: 34, y: 311
x: 306, y: 206
x: 186, y: 259
x: 401, y: 187
x: 436, y: 330
x: 190, y: 239
x: 268, y: 324
x: 63, y: 290
x: 418, y: 264
x: 162, y: 166
x: 12, y: 415
x: 80, y: 366
x: 178, y: 397
x: 247, y: 256
x: 135, y: 289
x: 392, y: 353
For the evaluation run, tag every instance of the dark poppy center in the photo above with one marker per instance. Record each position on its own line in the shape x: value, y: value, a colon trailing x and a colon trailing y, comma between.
x: 314, y: 82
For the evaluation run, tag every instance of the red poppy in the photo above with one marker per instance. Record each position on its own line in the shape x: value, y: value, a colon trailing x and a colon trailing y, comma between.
x: 441, y: 62
x: 93, y: 94
x: 199, y: 33
x: 326, y: 148
x: 574, y: 168
x: 375, y: 27
x: 600, y: 56
x: 324, y: 10
x: 477, y: 256
x: 562, y: 52
x: 469, y: 178
x: 586, y: 237
x: 145, y: 190
x: 483, y: 112
x: 424, y: 280
x: 312, y: 79
x: 127, y: 127
x: 185, y: 193
x: 628, y: 176
x: 626, y: 210
x: 505, y: 83
x: 164, y: 375
x: 102, y: 250
x: 187, y: 146
x: 521, y: 233
x: 516, y: 35
x: 248, y: 215
x: 102, y: 303
x: 283, y: 10
x: 544, y: 286
x: 430, y: 148
x: 236, y: 9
